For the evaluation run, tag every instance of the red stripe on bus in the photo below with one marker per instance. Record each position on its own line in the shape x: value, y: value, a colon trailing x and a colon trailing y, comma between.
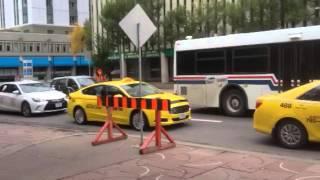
x: 253, y: 77
x: 189, y: 78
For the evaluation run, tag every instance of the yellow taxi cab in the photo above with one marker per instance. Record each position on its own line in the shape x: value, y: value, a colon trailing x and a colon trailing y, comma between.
x: 291, y: 117
x: 82, y: 105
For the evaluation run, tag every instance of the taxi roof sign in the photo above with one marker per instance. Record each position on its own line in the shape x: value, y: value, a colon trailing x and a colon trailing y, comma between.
x: 127, y: 79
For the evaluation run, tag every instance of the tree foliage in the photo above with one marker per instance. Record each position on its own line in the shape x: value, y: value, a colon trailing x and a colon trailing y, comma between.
x: 88, y: 35
x: 77, y: 38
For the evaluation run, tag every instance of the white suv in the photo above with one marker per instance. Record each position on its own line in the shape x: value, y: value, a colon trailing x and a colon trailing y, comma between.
x: 70, y: 84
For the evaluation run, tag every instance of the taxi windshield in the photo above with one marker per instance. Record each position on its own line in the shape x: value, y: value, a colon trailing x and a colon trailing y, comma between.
x: 34, y: 87
x: 146, y: 89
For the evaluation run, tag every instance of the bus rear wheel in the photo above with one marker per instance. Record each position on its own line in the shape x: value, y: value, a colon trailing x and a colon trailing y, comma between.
x: 234, y: 103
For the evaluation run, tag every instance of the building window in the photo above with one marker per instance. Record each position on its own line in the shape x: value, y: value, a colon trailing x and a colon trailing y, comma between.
x: 73, y: 11
x: 50, y: 31
x: 38, y: 47
x: 24, y: 47
x: 57, y: 48
x: 16, y: 11
x: 30, y: 48
x: 49, y: 12
x: 2, y: 15
x: 25, y: 11
x: 8, y: 47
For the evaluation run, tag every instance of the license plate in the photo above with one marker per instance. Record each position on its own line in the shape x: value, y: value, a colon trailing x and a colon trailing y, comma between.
x: 182, y: 116
x: 58, y: 105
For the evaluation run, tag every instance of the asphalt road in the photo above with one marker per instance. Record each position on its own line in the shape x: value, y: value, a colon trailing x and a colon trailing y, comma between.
x: 208, y: 127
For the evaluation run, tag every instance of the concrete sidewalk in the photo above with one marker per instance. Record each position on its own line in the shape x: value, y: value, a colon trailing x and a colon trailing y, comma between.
x: 40, y: 153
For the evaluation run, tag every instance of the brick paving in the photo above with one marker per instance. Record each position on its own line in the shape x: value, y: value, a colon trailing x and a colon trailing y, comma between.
x: 40, y: 153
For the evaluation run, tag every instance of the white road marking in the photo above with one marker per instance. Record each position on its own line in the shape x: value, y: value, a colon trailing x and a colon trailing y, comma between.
x: 308, y: 177
x: 207, y: 120
x: 207, y: 164
x: 288, y: 170
x: 158, y: 177
x: 146, y: 172
x: 162, y: 155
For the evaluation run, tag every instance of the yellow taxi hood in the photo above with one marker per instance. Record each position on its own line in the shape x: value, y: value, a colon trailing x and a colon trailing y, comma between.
x: 165, y: 95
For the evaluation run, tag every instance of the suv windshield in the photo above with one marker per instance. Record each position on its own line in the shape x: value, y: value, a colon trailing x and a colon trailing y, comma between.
x: 34, y: 87
x: 85, y: 81
x: 146, y: 89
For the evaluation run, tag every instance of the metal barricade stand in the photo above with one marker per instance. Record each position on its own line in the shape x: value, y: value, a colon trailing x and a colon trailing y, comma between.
x: 136, y: 103
x: 109, y: 125
x: 158, y: 105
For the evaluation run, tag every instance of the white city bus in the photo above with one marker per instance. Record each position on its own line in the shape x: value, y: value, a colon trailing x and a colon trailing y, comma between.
x: 230, y: 72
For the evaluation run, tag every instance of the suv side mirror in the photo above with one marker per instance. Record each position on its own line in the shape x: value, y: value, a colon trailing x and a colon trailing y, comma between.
x: 16, y: 92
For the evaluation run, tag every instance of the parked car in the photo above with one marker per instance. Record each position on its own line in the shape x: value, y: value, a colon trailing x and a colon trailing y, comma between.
x: 70, y: 84
x: 31, y: 97
x: 83, y: 107
x: 291, y: 117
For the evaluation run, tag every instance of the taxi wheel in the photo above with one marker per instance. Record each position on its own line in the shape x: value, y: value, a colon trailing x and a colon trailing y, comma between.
x: 135, y: 121
x: 25, y: 109
x: 234, y: 103
x: 291, y: 134
x: 80, y: 116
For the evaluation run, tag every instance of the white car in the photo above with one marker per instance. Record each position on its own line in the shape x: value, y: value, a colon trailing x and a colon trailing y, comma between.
x: 31, y: 97
x: 70, y: 84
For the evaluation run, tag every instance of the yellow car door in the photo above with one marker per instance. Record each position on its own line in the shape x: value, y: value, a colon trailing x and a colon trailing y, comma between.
x: 89, y: 101
x: 119, y: 115
x: 308, y: 109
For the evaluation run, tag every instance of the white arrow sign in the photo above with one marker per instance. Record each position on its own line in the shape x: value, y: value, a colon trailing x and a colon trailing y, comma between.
x: 129, y: 25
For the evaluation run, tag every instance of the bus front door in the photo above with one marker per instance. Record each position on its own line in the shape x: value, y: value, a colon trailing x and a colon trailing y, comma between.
x: 195, y: 93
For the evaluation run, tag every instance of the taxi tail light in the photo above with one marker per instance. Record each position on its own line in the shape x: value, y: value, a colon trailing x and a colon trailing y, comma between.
x: 258, y: 104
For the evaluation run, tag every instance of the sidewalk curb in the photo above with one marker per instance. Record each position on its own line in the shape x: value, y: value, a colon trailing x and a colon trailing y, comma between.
x: 185, y: 143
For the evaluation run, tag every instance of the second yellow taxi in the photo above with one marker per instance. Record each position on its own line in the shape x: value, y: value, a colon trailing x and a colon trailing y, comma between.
x: 83, y: 107
x: 292, y: 117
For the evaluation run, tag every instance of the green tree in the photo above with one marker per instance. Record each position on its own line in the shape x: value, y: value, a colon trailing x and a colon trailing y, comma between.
x: 88, y: 34
x: 296, y: 12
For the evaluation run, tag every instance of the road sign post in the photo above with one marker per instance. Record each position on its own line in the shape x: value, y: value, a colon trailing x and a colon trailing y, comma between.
x: 139, y: 28
x: 140, y: 85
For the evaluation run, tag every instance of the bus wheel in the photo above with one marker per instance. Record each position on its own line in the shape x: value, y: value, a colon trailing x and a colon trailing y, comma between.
x: 233, y: 103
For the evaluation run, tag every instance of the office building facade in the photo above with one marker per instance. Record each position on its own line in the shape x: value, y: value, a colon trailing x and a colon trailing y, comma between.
x: 42, y: 16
